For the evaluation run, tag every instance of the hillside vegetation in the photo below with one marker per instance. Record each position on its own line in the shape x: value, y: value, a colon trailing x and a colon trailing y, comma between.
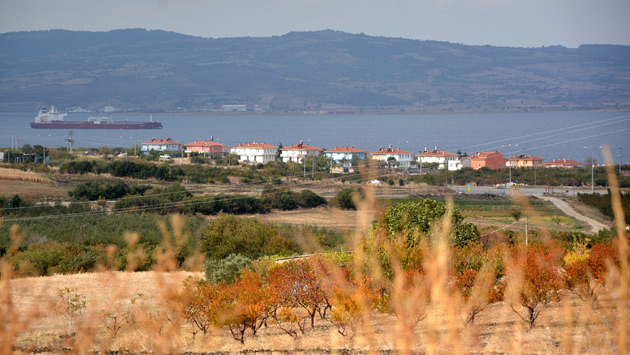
x: 324, y: 70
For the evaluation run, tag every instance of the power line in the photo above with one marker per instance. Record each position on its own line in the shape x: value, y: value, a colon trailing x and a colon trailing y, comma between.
x: 545, y: 132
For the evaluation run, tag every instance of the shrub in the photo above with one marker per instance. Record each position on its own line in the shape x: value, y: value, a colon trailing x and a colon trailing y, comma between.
x: 226, y: 269
x: 541, y: 281
x: 232, y: 235
x: 344, y: 199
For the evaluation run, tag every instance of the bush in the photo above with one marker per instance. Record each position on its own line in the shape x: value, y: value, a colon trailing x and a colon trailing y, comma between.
x: 226, y: 269
x: 344, y: 199
x: 231, y: 235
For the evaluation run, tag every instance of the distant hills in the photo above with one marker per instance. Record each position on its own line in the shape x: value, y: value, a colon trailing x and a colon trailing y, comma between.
x: 135, y: 69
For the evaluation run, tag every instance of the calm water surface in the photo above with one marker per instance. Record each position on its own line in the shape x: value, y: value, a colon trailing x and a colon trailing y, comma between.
x: 548, y: 135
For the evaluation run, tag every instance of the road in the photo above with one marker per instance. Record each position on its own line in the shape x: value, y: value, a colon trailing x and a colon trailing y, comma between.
x: 596, y: 226
x: 527, y: 191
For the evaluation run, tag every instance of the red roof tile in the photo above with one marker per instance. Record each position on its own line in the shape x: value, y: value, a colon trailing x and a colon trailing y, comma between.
x: 254, y: 145
x: 525, y: 157
x: 301, y: 147
x: 204, y: 144
x: 437, y: 154
x: 390, y: 150
x: 161, y: 141
x: 346, y: 150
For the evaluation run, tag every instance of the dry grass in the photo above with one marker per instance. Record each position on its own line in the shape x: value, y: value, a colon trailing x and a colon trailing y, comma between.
x: 29, y: 323
x: 14, y: 174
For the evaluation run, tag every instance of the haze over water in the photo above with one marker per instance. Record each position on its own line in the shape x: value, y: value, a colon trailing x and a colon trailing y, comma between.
x: 547, y: 135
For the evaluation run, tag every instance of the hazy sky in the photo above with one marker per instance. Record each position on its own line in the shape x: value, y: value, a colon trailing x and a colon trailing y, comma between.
x: 526, y: 23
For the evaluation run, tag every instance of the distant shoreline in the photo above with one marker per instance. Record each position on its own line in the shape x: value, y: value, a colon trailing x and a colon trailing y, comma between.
x: 347, y: 113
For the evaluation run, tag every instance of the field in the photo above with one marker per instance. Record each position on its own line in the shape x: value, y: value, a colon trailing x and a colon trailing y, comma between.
x: 389, y: 295
x: 569, y: 326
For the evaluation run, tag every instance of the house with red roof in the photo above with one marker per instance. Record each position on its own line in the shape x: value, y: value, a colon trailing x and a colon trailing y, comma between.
x: 255, y: 152
x: 161, y: 145
x: 345, y: 155
x: 403, y: 158
x: 525, y: 161
x: 491, y: 160
x: 298, y: 152
x: 563, y: 163
x: 441, y: 158
x: 209, y: 147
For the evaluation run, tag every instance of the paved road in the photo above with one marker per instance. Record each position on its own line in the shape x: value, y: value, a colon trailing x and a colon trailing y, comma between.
x: 527, y: 191
x: 596, y: 226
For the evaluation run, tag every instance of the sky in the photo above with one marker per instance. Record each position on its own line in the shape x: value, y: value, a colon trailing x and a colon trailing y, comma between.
x: 513, y: 23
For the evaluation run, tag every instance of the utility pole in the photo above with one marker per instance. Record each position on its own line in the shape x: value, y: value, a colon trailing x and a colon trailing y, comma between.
x: 44, y: 161
x: 619, y: 160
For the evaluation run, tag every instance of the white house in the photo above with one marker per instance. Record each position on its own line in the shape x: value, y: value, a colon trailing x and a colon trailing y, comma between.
x: 161, y: 145
x: 403, y: 158
x: 442, y: 158
x: 298, y: 152
x: 346, y: 154
x: 255, y: 152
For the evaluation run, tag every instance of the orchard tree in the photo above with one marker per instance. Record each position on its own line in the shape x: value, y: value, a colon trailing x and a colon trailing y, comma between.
x: 586, y: 268
x: 541, y: 283
x: 477, y: 276
x: 297, y: 285
x: 249, y: 304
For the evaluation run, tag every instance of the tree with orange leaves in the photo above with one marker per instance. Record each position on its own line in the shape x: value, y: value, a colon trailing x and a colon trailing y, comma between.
x: 204, y: 304
x: 476, y: 275
x: 248, y: 304
x: 586, y: 275
x: 296, y: 284
x: 542, y: 280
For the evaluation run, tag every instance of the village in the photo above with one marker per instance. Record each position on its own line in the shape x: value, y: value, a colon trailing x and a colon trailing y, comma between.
x: 344, y: 159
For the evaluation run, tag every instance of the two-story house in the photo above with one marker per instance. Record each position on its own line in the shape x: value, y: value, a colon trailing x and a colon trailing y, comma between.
x: 563, y: 163
x: 491, y: 160
x: 402, y: 158
x: 444, y: 160
x: 160, y: 145
x: 298, y: 152
x: 345, y: 155
x: 255, y: 152
x: 209, y: 148
x: 525, y: 161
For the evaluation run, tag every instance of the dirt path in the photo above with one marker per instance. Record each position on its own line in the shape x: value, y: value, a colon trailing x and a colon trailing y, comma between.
x: 596, y: 226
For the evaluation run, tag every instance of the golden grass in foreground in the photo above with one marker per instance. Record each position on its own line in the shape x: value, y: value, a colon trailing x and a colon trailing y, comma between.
x: 430, y: 316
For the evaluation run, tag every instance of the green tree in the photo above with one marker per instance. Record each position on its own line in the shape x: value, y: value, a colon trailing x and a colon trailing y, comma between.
x: 226, y: 269
x: 247, y: 236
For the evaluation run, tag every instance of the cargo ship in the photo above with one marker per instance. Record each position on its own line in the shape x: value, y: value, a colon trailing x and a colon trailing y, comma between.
x: 53, y: 119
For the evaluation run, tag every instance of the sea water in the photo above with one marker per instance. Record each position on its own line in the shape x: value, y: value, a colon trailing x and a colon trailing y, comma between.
x: 548, y: 135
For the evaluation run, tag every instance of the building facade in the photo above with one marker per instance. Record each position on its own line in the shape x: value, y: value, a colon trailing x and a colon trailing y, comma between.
x: 403, y: 158
x: 563, y: 163
x: 161, y: 145
x: 297, y: 152
x: 209, y: 147
x: 255, y: 152
x: 491, y: 160
x: 525, y: 161
x: 346, y: 155
x: 441, y: 158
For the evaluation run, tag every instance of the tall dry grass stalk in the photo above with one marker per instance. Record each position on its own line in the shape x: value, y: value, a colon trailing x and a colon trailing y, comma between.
x: 14, y: 174
x: 409, y: 312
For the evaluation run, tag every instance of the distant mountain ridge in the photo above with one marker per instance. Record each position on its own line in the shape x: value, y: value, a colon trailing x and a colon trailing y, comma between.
x: 136, y: 69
